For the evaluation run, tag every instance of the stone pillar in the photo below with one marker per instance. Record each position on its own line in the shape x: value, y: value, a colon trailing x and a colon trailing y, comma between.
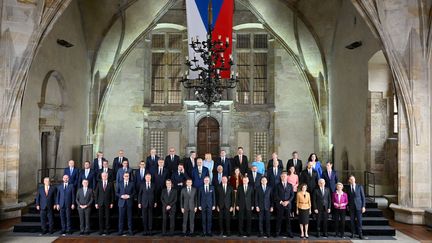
x: 402, y: 27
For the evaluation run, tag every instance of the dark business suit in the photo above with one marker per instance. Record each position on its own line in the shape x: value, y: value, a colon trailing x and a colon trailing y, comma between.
x: 245, y: 202
x: 159, y: 179
x: 46, y: 203
x: 110, y: 172
x: 152, y: 162
x: 226, y: 165
x: 282, y: 193
x: 125, y: 205
x: 244, y: 166
x: 298, y: 166
x: 168, y: 199
x: 146, y: 197
x: 273, y: 179
x: 206, y: 200
x: 65, y: 199
x: 188, y: 202
x: 217, y: 179
x: 197, y: 179
x: 189, y: 166
x: 310, y: 180
x: 121, y: 172
x: 356, y: 201
x: 84, y: 213
x: 104, y: 197
x: 118, y: 164
x: 74, y: 177
x: 172, y: 164
x: 96, y: 164
x: 330, y: 181
x: 254, y: 182
x: 225, y: 202
x: 91, y: 177
x: 321, y: 202
x: 270, y: 164
x: 139, y: 178
x: 264, y: 201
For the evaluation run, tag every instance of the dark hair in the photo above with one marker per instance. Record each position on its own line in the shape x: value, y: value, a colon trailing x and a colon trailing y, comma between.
x: 192, y: 152
x: 289, y: 170
x: 168, y: 180
x: 239, y: 148
x: 329, y: 162
x: 294, y: 152
x: 302, y: 185
x: 310, y: 157
x: 263, y: 177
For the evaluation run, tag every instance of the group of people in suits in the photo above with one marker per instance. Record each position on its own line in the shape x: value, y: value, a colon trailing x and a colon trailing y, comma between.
x: 225, y: 187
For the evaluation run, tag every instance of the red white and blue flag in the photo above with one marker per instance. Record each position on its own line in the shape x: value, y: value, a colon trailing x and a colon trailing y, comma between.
x: 198, y: 24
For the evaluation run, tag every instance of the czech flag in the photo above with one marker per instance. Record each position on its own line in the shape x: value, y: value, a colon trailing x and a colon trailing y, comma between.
x: 222, y: 20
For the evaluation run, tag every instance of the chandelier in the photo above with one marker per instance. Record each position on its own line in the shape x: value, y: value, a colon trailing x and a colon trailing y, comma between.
x: 209, y: 85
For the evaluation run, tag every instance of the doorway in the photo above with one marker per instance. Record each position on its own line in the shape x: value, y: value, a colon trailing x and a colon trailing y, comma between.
x: 208, y: 137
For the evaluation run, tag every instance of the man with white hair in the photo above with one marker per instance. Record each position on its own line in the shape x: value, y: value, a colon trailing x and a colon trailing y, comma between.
x: 321, y: 205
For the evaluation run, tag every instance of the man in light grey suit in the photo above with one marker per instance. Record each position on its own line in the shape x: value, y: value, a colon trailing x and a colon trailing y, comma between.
x: 84, y: 199
x: 188, y: 205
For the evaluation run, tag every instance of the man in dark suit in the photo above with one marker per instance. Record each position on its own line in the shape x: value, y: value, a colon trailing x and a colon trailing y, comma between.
x: 283, y: 196
x: 310, y: 177
x: 199, y: 173
x: 139, y: 174
x: 152, y: 160
x: 65, y: 203
x: 217, y: 176
x: 206, y: 202
x: 275, y: 158
x: 160, y: 175
x: 172, y: 161
x: 87, y: 174
x: 106, y: 169
x: 321, y: 205
x: 190, y: 163
x: 241, y: 161
x: 169, y: 201
x: 72, y: 173
x: 125, y: 192
x: 225, y: 205
x: 118, y: 162
x: 254, y: 177
x: 264, y: 205
x: 178, y: 178
x: 188, y: 205
x: 330, y: 177
x: 357, y: 206
x: 104, y: 201
x: 244, y: 206
x: 84, y: 199
x: 98, y: 161
x: 125, y: 169
x: 146, y: 202
x: 225, y: 163
x: 273, y: 175
x: 296, y: 162
x: 45, y: 203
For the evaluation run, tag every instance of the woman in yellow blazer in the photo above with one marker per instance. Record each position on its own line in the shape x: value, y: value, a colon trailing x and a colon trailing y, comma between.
x: 303, y: 209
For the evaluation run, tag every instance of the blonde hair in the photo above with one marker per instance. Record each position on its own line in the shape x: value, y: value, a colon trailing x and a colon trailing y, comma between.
x: 208, y: 156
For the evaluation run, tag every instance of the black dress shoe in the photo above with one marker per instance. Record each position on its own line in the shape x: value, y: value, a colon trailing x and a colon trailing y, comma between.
x: 130, y: 232
x: 81, y: 233
x: 101, y: 232
x: 325, y: 235
x: 203, y: 235
x: 361, y: 236
x: 260, y: 235
x: 120, y: 233
x: 87, y: 233
x: 51, y: 231
x: 318, y: 234
x: 70, y: 232
x: 352, y: 235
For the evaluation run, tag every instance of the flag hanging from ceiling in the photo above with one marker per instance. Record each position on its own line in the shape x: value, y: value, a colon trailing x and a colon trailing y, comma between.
x: 197, y: 24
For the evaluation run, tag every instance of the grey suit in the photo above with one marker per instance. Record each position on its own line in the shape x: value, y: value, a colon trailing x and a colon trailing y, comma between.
x: 84, y: 213
x: 188, y: 202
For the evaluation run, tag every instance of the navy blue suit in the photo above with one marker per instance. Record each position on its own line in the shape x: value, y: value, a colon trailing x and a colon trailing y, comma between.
x: 73, y: 179
x: 120, y: 173
x: 152, y: 164
x: 65, y: 198
x: 125, y: 205
x: 273, y: 180
x: 118, y: 164
x: 283, y: 194
x: 46, y: 204
x: 91, y: 177
x: 96, y: 164
x: 330, y: 182
x: 138, y: 179
x: 172, y: 165
x: 257, y: 181
x: 264, y: 201
x: 197, y: 180
x: 206, y: 201
x: 226, y: 164
x: 356, y: 201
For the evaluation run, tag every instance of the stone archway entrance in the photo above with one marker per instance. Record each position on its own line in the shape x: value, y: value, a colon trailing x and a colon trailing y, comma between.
x: 208, y: 137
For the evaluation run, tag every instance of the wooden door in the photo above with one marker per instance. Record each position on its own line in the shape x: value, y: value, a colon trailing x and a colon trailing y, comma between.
x: 208, y: 137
